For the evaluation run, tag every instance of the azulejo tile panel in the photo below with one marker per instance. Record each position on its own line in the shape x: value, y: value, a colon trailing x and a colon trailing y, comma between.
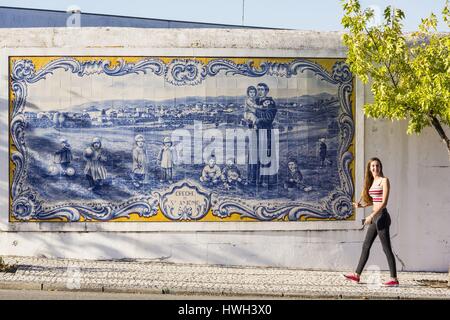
x: 180, y: 139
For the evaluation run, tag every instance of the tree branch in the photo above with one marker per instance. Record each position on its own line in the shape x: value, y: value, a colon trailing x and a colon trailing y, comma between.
x: 437, y: 125
x: 385, y: 63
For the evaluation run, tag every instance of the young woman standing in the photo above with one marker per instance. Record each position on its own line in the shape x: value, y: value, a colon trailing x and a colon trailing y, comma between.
x: 376, y: 193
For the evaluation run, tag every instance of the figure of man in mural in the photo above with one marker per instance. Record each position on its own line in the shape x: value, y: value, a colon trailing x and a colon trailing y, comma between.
x: 211, y: 173
x: 140, y: 161
x: 166, y: 159
x: 95, y: 171
x: 265, y: 113
x: 63, y: 157
x: 323, y: 153
x: 231, y: 175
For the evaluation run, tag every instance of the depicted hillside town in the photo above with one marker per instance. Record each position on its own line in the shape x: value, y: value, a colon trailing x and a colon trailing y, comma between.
x: 171, y: 115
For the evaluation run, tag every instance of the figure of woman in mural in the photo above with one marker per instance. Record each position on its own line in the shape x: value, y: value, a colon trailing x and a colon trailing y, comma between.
x: 95, y: 171
x: 250, y: 107
x: 376, y: 193
x: 63, y: 157
x: 166, y: 160
x: 140, y: 161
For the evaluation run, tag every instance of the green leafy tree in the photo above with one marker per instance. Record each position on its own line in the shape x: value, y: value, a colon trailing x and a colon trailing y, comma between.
x: 409, y: 73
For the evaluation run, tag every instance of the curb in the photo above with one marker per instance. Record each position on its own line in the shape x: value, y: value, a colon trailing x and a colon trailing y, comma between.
x: 9, y: 285
x: 63, y: 287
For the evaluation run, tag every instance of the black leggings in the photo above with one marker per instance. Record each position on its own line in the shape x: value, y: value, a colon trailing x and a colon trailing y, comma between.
x: 380, y: 226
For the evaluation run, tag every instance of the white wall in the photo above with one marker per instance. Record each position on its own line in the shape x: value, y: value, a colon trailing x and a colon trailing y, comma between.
x: 417, y: 166
x: 419, y: 171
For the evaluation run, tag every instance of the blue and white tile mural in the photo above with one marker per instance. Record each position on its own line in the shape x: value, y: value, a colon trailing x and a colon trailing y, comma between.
x: 176, y: 139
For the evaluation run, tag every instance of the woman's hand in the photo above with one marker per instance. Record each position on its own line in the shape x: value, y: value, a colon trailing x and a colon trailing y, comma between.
x: 357, y: 205
x: 368, y: 220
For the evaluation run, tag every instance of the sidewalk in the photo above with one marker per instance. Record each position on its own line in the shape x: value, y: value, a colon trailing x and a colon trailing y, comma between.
x: 160, y: 277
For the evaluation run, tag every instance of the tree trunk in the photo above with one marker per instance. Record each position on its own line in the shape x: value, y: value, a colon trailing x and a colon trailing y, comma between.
x: 437, y: 125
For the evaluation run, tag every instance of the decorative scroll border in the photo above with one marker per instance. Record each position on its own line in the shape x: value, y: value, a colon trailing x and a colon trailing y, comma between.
x: 26, y: 204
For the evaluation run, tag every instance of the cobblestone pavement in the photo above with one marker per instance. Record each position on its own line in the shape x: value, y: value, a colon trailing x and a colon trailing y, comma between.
x: 159, y: 277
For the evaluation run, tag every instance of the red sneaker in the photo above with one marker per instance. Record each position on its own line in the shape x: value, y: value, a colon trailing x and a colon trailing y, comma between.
x: 352, y: 277
x: 391, y: 283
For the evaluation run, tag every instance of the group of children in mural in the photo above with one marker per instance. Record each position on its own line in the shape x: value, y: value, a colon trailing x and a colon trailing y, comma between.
x: 229, y: 175
x: 166, y: 160
x: 259, y: 113
x: 94, y: 170
x: 212, y: 175
x: 95, y: 157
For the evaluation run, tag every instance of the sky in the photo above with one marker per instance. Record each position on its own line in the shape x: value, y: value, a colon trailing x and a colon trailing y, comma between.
x: 321, y: 15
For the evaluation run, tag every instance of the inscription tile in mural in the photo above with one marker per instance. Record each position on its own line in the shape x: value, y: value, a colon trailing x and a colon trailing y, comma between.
x: 184, y: 202
x: 164, y: 139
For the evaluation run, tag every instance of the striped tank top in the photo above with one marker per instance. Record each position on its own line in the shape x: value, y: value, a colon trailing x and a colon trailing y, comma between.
x: 376, y: 192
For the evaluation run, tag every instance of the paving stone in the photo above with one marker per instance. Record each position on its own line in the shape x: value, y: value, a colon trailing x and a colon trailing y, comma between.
x: 63, y: 274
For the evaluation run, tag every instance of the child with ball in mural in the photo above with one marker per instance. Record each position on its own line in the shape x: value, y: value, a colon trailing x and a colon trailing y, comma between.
x: 95, y: 170
x: 62, y: 158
